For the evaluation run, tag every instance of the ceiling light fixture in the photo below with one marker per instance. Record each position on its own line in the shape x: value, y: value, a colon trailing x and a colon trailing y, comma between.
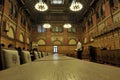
x: 46, y: 25
x: 76, y: 6
x: 67, y: 25
x: 41, y: 6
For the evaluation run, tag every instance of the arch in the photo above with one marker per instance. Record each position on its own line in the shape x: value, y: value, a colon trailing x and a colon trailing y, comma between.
x: 57, y: 42
x: 72, y: 42
x: 10, y: 33
x: 41, y: 42
x: 21, y: 38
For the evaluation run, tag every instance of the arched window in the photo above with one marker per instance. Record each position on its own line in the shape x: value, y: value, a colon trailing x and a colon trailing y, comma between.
x: 2, y: 2
x: 21, y: 38
x: 85, y: 40
x: 28, y: 40
x: 57, y: 1
x: 90, y: 21
x: 15, y: 11
x: 57, y: 29
x: 11, y: 8
x: 23, y: 20
x: 100, y: 11
x: 10, y: 33
x: 41, y: 42
x: 72, y: 30
x: 72, y: 42
x: 57, y: 42
x: 103, y: 9
x: 97, y: 15
x: 113, y: 2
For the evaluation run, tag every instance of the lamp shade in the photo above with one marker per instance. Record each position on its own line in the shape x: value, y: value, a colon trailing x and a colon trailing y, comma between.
x: 46, y: 25
x: 67, y: 25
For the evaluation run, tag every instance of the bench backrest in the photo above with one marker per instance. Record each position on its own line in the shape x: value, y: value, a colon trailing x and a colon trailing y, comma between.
x: 26, y: 56
x: 9, y: 58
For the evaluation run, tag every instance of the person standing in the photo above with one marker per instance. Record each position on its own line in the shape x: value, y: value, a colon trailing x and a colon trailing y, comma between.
x: 79, y: 49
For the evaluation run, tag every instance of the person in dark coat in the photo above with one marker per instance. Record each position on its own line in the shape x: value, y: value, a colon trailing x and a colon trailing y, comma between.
x: 92, y: 53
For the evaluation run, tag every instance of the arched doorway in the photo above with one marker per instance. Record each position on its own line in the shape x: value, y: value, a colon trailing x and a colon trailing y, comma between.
x: 55, y: 47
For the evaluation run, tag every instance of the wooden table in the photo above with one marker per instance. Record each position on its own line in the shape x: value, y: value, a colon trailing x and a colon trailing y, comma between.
x: 58, y: 67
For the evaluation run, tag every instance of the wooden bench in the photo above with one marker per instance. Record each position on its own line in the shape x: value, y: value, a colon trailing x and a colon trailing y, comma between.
x: 9, y: 58
x: 36, y: 56
x: 104, y: 56
x: 26, y: 56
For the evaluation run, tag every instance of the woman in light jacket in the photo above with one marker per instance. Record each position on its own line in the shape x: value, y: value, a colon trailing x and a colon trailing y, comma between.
x: 79, y: 50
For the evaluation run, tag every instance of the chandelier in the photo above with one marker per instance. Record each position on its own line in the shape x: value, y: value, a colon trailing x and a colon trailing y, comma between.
x: 76, y: 6
x: 67, y: 25
x: 41, y: 6
x: 46, y: 25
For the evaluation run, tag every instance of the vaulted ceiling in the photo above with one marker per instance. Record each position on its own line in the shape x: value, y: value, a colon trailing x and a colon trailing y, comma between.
x: 55, y: 12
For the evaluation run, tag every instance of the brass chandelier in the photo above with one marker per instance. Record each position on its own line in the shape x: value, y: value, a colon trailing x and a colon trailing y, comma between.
x: 76, y: 6
x: 41, y: 6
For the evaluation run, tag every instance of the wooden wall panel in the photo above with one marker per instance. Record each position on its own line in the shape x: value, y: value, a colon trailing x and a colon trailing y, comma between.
x: 42, y: 48
x: 49, y: 49
x: 6, y: 42
x: 19, y: 44
x: 61, y: 49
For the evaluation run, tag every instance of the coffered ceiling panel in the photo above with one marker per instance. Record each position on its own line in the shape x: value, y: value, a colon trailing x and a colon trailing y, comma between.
x: 56, y: 12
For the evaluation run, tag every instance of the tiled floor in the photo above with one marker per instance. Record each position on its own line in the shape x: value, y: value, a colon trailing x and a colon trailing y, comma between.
x: 58, y: 67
